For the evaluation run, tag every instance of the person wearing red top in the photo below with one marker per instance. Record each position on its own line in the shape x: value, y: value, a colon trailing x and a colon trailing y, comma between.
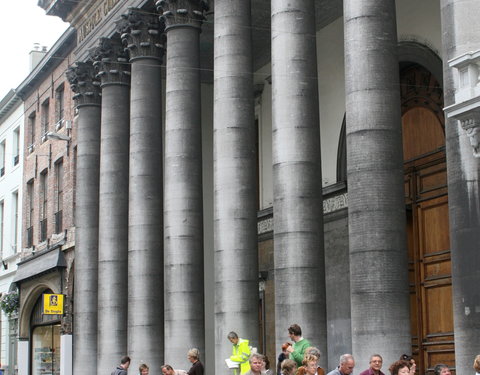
x: 376, y: 362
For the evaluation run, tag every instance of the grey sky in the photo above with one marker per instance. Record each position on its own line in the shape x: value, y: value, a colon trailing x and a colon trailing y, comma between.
x: 23, y: 24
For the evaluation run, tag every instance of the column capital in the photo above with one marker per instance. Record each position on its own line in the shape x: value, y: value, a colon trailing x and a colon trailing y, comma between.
x: 142, y: 34
x: 181, y: 13
x: 471, y: 124
x: 111, y: 62
x: 84, y: 84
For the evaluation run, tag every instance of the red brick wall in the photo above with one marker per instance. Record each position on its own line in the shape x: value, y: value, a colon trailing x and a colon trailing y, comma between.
x: 47, y: 152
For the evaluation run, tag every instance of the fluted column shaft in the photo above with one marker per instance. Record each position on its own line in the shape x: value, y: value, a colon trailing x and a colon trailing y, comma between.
x: 460, y: 34
x: 376, y: 207
x: 142, y: 34
x: 297, y: 207
x: 183, y: 212
x: 236, y: 255
x: 87, y: 100
x: 113, y: 207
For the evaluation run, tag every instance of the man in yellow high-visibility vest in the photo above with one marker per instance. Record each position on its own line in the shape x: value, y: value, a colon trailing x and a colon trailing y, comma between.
x: 240, y: 353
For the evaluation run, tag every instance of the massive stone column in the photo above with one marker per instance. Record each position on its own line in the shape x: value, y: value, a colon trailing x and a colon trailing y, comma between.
x: 461, y: 56
x: 183, y: 212
x: 143, y: 38
x: 376, y: 208
x: 113, y: 69
x: 87, y: 100
x: 236, y: 255
x: 297, y: 180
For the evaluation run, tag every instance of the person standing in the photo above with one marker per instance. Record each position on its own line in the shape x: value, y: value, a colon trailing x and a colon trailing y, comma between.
x: 240, y: 353
x: 345, y: 367
x: 193, y: 356
x: 143, y: 369
x: 123, y: 367
x: 376, y: 362
x: 300, y: 344
x: 256, y: 363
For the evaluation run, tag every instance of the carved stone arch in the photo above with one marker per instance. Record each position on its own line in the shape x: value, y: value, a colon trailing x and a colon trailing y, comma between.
x: 410, y: 52
x: 27, y: 305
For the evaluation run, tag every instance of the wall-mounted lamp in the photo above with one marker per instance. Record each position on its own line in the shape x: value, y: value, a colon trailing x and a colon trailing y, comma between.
x: 5, y: 265
x: 59, y: 137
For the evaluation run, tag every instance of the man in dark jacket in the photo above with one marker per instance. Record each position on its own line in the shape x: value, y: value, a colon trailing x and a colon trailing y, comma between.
x: 122, y: 369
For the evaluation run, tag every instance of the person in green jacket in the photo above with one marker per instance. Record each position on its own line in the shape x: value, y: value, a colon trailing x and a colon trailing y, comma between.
x: 240, y: 353
x: 300, y: 344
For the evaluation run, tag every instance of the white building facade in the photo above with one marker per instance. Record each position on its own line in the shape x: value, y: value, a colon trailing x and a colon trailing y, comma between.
x: 11, y: 175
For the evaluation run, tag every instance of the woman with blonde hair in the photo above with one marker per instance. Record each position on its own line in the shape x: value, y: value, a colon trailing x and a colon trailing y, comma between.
x: 476, y: 364
x: 311, y: 352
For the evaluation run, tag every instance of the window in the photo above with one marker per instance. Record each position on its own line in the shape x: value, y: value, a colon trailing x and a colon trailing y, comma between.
x: 30, y: 212
x: 59, y: 196
x: 2, y: 158
x: 31, y: 131
x: 59, y: 106
x: 14, y: 221
x: 2, y: 211
x: 16, y: 146
x: 43, y: 205
x: 45, y: 118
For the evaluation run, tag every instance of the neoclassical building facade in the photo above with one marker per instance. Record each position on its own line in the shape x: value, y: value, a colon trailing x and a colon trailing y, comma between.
x: 245, y: 165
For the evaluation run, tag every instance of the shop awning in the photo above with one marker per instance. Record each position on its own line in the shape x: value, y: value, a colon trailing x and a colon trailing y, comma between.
x: 39, y: 264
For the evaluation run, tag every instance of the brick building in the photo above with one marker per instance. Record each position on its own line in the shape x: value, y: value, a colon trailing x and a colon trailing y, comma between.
x: 48, y: 209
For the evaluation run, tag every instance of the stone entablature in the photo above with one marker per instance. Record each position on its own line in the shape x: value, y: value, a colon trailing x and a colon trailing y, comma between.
x: 467, y: 96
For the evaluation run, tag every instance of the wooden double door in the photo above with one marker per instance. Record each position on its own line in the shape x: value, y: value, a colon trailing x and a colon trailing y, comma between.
x: 426, y: 198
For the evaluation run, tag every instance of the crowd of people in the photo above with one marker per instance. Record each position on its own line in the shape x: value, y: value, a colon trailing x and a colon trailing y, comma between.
x: 299, y: 358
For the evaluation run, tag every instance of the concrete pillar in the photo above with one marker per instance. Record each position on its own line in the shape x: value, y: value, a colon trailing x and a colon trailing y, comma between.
x: 87, y: 100
x: 113, y: 69
x: 297, y: 207
x: 142, y: 35
x: 23, y: 357
x: 66, y: 355
x: 460, y: 34
x: 376, y: 208
x: 183, y: 211
x: 235, y: 185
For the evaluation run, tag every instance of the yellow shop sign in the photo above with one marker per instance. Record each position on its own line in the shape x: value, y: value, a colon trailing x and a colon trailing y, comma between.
x: 53, y: 304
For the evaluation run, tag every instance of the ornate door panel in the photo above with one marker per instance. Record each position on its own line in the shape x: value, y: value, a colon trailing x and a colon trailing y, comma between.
x: 426, y: 197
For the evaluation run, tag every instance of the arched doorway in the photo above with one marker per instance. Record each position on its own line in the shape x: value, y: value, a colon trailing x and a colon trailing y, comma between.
x: 45, y: 340
x: 426, y: 199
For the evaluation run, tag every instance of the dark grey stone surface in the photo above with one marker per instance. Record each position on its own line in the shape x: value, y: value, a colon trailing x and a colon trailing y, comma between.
x: 376, y: 210
x: 235, y: 213
x: 297, y: 206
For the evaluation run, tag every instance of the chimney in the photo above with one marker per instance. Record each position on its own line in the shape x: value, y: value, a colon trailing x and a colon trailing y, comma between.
x: 36, y: 55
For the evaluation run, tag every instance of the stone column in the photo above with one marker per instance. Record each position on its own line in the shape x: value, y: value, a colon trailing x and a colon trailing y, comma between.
x: 114, y: 71
x: 142, y: 34
x: 184, y: 295
x: 87, y: 100
x: 235, y: 185
x: 143, y: 38
x: 376, y: 208
x: 461, y: 43
x: 297, y: 179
